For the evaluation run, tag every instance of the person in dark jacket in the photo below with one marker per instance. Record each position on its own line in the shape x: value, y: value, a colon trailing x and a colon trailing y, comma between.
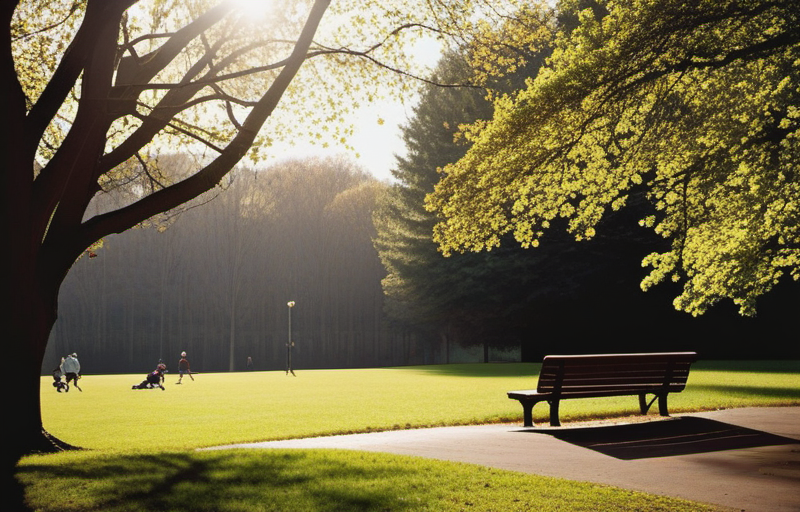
x: 154, y: 379
x: 183, y: 367
x: 57, y: 375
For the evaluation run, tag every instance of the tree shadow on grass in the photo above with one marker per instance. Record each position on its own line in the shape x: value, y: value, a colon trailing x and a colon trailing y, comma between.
x: 665, y: 438
x: 233, y: 480
x: 305, y: 481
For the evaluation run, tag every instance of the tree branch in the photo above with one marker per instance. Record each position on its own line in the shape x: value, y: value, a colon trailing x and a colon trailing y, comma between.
x: 208, y: 177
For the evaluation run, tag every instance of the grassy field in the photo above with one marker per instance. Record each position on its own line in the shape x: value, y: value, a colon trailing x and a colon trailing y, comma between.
x: 140, y: 442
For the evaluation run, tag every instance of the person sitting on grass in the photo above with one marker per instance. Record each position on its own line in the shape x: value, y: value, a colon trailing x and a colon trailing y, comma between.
x: 153, y: 379
x: 183, y: 367
x: 60, y: 386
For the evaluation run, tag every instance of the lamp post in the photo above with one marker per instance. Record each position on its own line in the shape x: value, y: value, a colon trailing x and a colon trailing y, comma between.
x: 290, y: 343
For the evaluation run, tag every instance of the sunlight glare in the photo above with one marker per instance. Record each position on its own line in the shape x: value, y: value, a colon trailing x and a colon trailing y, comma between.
x: 255, y: 10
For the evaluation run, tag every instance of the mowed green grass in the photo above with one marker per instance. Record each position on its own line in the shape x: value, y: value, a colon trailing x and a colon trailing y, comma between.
x: 141, y: 442
x: 222, y: 408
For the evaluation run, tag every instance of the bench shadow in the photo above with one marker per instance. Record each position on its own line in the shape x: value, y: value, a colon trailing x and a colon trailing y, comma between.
x: 666, y: 438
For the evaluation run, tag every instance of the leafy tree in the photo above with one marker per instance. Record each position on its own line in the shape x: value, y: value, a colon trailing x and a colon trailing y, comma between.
x: 93, y: 88
x: 87, y: 87
x: 690, y: 105
x: 471, y: 298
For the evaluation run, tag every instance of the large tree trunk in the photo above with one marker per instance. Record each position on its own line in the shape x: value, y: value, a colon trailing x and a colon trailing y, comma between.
x: 41, y: 216
x: 28, y: 318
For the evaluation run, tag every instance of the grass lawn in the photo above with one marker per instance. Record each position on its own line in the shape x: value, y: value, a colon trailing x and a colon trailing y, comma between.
x: 140, y: 442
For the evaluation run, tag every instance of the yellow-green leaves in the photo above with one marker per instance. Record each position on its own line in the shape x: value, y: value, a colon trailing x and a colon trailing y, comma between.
x: 696, y: 105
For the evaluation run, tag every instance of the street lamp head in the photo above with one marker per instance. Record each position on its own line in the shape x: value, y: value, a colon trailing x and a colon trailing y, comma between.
x: 290, y: 304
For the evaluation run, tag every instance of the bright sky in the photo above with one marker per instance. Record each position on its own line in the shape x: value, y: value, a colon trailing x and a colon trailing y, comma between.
x: 378, y: 144
x: 375, y: 144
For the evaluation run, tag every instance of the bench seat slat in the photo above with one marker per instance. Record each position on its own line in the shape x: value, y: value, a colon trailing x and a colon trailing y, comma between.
x: 596, y: 363
x: 622, y: 387
x: 582, y: 370
x: 658, y: 372
x: 625, y: 358
x: 664, y: 374
x: 610, y: 381
x: 641, y: 381
x: 596, y: 392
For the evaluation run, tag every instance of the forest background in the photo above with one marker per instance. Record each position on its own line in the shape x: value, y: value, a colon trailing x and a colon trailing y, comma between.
x: 217, y: 280
x: 356, y: 255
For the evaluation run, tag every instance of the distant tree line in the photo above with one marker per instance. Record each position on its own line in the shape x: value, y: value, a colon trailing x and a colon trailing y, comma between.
x: 216, y: 282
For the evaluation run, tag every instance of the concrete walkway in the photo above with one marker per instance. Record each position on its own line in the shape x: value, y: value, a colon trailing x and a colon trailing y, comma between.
x: 746, y: 459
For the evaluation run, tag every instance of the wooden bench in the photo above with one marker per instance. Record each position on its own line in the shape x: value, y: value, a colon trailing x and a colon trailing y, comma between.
x: 600, y: 375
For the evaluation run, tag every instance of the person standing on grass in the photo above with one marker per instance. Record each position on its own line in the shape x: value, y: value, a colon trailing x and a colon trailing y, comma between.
x: 71, y: 369
x: 183, y: 367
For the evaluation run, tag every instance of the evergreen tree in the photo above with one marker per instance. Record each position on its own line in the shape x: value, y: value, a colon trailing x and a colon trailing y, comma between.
x: 561, y: 296
x: 469, y: 299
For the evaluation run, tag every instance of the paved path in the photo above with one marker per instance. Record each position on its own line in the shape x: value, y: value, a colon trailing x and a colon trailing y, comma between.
x: 746, y: 459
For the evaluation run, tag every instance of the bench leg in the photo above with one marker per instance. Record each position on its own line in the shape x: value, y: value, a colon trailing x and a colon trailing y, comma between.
x: 554, y: 421
x: 643, y: 405
x: 662, y: 405
x: 527, y: 413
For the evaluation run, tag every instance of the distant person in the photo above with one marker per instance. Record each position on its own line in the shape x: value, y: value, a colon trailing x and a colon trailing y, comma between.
x: 71, y: 369
x: 57, y: 375
x: 249, y: 363
x: 154, y: 379
x: 183, y: 367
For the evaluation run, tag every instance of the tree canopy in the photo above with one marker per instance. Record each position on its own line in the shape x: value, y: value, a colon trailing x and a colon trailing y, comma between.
x: 694, y: 105
x: 94, y: 90
x: 470, y: 299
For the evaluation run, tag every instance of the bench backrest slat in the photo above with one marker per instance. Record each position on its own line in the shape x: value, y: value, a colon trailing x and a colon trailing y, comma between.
x: 615, y: 372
